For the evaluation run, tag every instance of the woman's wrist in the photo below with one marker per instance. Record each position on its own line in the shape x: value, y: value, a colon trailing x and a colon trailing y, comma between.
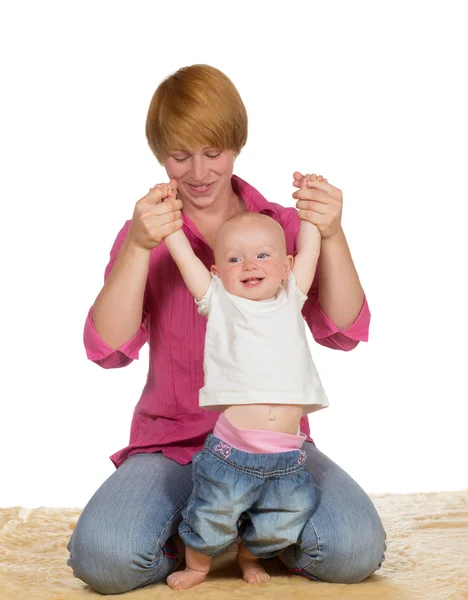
x: 336, y: 237
x: 133, y: 248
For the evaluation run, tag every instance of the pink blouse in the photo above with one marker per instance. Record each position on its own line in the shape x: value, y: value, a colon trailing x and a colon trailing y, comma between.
x: 167, y: 417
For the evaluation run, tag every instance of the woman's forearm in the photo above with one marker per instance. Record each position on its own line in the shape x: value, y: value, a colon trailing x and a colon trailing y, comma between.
x: 340, y: 293
x: 117, y: 310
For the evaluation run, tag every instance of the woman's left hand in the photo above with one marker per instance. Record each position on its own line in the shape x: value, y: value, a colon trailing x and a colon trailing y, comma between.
x: 319, y: 202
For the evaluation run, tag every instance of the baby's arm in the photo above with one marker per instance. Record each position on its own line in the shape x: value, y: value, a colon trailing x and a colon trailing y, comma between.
x: 196, y: 276
x: 308, y: 252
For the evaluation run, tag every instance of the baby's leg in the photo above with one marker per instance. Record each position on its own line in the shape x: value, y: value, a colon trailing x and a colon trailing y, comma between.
x: 252, y: 571
x: 198, y: 566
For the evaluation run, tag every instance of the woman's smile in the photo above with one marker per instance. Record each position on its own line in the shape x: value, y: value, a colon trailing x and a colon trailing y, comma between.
x: 201, y: 190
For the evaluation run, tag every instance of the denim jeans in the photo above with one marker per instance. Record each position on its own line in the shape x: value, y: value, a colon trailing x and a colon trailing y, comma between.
x: 273, y: 493
x: 120, y: 542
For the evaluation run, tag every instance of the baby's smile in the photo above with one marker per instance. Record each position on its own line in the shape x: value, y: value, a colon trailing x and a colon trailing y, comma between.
x: 252, y: 281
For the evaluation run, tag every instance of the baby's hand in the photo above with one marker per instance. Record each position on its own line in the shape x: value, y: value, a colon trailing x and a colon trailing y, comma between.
x: 156, y: 215
x: 318, y: 202
x: 298, y: 177
x: 167, y: 190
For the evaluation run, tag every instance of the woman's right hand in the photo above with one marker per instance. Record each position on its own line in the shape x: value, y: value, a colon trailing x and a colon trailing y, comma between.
x: 156, y: 215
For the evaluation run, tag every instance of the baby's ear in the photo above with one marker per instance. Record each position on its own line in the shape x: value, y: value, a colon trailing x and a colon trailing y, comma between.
x: 214, y: 270
x: 288, y: 265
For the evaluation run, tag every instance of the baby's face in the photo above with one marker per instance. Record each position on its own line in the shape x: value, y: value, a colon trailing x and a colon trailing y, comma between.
x: 251, y: 259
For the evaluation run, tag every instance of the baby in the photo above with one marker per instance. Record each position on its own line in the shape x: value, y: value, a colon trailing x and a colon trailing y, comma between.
x: 260, y: 375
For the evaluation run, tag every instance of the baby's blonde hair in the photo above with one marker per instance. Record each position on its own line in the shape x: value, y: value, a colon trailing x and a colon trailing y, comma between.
x: 250, y: 217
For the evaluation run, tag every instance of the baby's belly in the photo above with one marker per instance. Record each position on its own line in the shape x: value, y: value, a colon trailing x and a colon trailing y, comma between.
x: 258, y: 416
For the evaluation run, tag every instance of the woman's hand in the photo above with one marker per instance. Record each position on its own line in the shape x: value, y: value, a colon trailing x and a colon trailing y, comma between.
x: 156, y: 215
x: 320, y: 203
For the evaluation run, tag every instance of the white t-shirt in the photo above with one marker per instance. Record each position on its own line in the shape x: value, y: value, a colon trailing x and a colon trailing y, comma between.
x: 256, y: 352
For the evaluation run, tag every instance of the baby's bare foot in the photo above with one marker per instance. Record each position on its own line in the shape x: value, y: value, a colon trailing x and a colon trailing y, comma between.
x: 252, y: 571
x: 184, y: 580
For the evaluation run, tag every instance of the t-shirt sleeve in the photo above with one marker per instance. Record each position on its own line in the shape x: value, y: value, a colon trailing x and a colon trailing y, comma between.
x: 205, y: 304
x: 293, y: 290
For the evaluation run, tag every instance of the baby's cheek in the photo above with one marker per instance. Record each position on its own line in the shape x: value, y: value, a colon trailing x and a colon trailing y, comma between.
x: 231, y: 283
x: 277, y: 272
x: 229, y: 278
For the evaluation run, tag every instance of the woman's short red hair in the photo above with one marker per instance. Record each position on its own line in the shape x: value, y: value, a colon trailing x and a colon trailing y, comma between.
x: 196, y: 106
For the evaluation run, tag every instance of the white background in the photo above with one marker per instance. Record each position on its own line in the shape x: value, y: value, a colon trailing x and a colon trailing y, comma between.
x: 370, y: 95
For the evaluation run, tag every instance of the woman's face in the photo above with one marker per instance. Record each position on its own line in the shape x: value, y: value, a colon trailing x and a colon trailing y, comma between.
x: 203, y: 175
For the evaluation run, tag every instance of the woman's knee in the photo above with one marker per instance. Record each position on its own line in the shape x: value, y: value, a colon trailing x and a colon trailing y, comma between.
x: 110, y: 562
x: 114, y: 546
x: 356, y: 561
x: 342, y: 554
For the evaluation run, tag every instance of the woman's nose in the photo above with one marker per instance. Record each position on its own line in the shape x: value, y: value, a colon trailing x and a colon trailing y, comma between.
x: 199, y: 169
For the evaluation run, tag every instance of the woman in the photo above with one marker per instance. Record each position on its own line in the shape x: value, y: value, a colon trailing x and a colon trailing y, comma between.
x: 126, y: 535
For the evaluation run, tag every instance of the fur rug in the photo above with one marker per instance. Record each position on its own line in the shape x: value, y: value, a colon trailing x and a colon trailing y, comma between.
x: 427, y: 558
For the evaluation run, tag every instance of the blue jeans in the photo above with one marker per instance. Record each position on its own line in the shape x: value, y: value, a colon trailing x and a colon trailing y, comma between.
x: 121, y: 541
x: 274, y: 493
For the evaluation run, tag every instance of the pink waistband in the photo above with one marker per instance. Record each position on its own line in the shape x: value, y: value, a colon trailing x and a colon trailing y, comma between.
x: 257, y: 441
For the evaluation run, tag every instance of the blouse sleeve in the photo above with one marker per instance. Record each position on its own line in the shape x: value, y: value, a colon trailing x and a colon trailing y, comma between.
x: 324, y: 331
x: 96, y: 348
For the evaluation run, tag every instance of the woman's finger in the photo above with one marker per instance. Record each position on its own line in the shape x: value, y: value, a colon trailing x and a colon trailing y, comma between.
x: 318, y: 207
x: 312, y: 216
x: 319, y: 184
x: 170, y: 227
x: 169, y: 217
x: 170, y: 205
x: 310, y: 193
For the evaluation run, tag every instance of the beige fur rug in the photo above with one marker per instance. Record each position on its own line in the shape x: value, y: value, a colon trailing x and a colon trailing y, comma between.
x: 427, y: 558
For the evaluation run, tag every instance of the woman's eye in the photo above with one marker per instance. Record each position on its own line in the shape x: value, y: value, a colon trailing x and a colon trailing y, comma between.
x: 180, y: 160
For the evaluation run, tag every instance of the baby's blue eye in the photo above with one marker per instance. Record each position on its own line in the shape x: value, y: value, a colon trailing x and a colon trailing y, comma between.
x: 233, y: 259
x: 262, y: 255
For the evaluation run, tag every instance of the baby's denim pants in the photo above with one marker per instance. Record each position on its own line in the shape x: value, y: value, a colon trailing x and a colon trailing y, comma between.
x: 272, y: 494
